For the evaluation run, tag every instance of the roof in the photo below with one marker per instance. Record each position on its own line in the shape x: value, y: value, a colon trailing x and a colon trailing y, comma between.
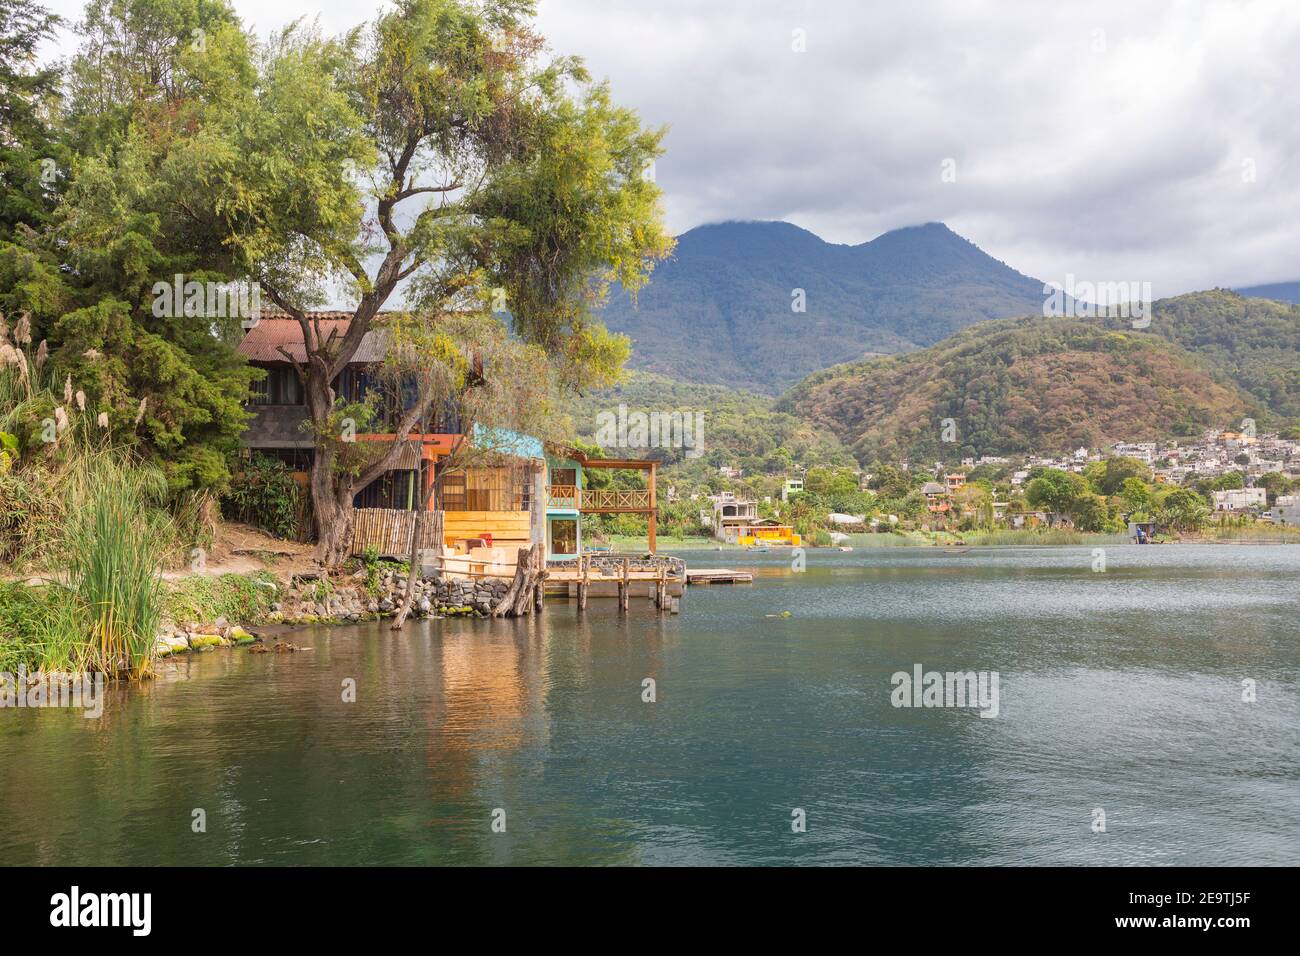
x: 561, y: 450
x: 933, y: 488
x: 264, y: 341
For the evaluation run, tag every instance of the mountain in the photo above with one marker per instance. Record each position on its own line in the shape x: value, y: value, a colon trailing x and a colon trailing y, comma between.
x: 1278, y: 291
x: 1053, y: 384
x: 1252, y: 342
x: 721, y: 310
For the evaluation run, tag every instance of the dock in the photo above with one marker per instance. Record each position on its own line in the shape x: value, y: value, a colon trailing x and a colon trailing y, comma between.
x: 719, y: 576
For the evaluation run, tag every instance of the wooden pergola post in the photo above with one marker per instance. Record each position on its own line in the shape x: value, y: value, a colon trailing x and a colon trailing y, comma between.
x: 654, y: 508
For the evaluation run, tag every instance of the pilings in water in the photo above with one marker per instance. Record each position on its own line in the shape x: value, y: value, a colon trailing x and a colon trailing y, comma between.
x: 584, y: 581
x: 586, y: 576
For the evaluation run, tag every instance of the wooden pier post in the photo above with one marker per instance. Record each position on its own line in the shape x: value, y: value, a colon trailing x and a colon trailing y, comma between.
x: 582, y: 582
x: 623, y: 588
x: 539, y: 589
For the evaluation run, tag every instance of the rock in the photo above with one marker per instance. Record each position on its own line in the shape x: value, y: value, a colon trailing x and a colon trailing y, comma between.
x: 220, y: 623
x: 240, y: 636
x: 259, y: 649
x: 385, y: 606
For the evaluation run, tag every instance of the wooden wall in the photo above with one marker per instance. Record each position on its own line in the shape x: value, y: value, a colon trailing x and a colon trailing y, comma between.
x: 506, y: 527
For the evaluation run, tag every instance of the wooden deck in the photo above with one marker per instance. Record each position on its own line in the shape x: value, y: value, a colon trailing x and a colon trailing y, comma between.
x: 719, y: 576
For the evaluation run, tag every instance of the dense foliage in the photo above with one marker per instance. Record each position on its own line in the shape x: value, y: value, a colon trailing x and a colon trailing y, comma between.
x: 1252, y: 342
x: 740, y: 429
x: 1045, y: 385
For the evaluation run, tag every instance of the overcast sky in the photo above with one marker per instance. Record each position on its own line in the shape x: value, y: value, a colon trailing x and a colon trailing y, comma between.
x: 1111, y: 139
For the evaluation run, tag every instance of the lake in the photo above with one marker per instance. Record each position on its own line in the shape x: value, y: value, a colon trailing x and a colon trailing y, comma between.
x: 1120, y: 692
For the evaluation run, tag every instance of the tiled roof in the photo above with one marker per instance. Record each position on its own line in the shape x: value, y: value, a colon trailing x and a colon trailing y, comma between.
x: 263, y: 342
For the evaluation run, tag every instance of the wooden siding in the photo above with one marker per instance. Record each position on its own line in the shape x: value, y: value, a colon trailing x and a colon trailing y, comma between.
x: 506, y: 527
x: 389, y: 529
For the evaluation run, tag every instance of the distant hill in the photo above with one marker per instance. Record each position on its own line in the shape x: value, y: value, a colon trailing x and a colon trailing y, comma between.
x: 1053, y: 384
x: 720, y: 311
x: 1278, y: 291
x: 1251, y: 342
x: 739, y: 428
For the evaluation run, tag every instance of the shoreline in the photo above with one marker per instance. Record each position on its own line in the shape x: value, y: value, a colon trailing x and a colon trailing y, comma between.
x: 231, y: 609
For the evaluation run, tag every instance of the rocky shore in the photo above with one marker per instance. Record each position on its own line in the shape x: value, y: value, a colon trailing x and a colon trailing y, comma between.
x: 360, y: 596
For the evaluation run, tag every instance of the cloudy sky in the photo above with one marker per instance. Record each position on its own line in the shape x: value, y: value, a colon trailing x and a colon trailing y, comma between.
x: 1111, y: 139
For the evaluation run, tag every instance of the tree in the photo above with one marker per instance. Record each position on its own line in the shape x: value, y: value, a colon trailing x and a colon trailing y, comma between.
x: 1055, y: 490
x: 29, y: 154
x: 1181, y: 509
x: 1275, y: 483
x: 436, y: 149
x: 1110, y: 477
x: 1136, y: 496
x: 499, y: 386
x: 138, y: 129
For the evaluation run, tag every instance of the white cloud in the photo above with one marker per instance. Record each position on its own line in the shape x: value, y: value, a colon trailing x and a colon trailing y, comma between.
x: 1105, y: 139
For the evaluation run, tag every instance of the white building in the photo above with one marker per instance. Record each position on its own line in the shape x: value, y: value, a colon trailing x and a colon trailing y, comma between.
x: 1286, y: 510
x: 1240, y: 499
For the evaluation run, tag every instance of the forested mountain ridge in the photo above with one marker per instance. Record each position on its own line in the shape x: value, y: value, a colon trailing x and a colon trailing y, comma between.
x: 722, y: 311
x: 1052, y: 384
x: 1252, y: 342
x: 1288, y: 292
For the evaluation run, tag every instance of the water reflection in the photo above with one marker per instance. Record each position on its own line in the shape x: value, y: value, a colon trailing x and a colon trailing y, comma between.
x: 1119, y: 690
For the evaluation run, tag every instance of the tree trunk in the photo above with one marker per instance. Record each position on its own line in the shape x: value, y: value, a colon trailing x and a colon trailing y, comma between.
x: 434, y: 497
x: 518, y: 599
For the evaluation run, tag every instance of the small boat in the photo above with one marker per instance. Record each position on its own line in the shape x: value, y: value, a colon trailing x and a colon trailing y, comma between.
x: 845, y: 547
x: 758, y: 548
x: 600, y: 547
x: 955, y: 550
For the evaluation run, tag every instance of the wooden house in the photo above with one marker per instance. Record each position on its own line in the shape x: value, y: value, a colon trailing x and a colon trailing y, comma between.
x: 533, y: 494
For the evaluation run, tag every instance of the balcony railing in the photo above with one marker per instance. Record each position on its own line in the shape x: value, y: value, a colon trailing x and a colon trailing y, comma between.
x: 598, y: 499
x: 562, y: 496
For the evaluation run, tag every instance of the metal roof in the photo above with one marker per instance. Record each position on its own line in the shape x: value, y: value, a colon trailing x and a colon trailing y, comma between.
x: 264, y: 341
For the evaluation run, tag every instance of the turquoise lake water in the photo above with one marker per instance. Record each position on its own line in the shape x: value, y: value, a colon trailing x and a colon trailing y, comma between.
x: 1118, y: 691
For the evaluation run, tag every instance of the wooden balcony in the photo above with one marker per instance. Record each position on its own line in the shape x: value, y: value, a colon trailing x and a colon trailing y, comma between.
x: 562, y: 497
x: 600, y: 500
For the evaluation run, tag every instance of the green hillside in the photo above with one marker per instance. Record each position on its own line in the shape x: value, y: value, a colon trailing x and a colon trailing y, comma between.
x: 1253, y: 342
x: 1044, y: 384
x: 740, y: 428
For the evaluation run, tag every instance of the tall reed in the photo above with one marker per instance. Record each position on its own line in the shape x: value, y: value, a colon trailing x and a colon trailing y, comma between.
x: 112, y: 546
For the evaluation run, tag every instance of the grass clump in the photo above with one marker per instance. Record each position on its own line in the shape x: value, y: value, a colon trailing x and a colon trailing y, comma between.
x: 239, y: 598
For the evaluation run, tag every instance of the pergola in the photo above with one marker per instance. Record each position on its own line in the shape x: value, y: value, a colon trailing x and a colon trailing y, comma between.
x: 639, y: 501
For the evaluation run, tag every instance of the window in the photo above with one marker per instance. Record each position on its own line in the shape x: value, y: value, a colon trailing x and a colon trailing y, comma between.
x: 280, y: 387
x: 395, y: 489
x: 564, y: 476
x: 488, y: 489
x: 564, y: 536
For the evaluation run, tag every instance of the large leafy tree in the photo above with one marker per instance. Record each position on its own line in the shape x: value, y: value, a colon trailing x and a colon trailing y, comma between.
x: 29, y: 153
x: 441, y: 148
x: 139, y: 121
